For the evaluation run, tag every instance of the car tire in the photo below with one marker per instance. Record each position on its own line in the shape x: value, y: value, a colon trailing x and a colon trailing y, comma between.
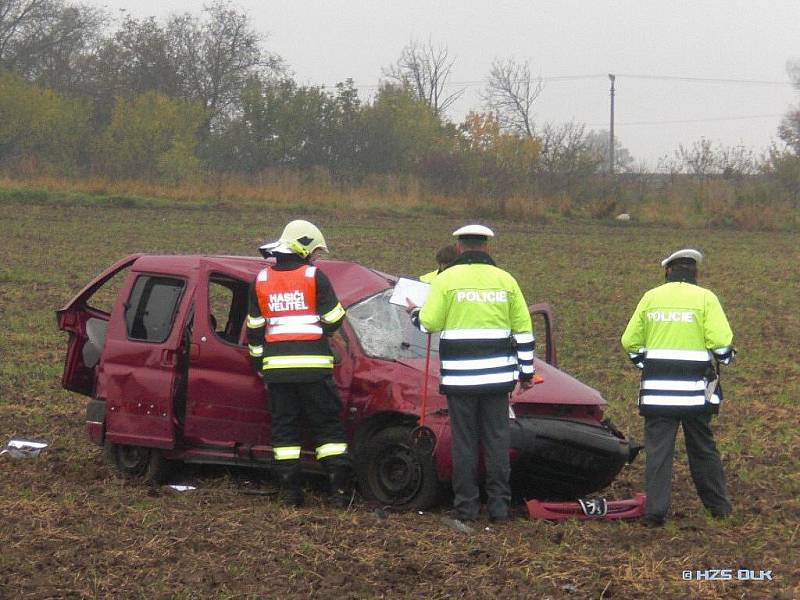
x: 138, y: 461
x: 392, y: 473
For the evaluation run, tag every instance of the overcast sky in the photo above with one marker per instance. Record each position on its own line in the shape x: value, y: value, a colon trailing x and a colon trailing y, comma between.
x: 665, y: 55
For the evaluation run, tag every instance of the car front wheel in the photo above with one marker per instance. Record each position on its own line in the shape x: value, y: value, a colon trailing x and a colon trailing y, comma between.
x: 392, y: 473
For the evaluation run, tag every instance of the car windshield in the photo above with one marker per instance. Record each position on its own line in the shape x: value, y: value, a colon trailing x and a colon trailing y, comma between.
x: 385, y: 330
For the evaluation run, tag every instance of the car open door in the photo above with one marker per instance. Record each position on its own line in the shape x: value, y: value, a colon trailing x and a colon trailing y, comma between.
x: 86, y: 321
x: 225, y: 400
x: 138, y: 372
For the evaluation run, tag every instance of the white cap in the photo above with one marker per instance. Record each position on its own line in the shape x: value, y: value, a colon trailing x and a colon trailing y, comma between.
x: 689, y: 253
x: 479, y: 230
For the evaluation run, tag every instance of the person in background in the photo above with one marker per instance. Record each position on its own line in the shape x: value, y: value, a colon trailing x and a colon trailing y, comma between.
x: 444, y: 258
x: 486, y: 346
x: 292, y: 310
x: 679, y: 335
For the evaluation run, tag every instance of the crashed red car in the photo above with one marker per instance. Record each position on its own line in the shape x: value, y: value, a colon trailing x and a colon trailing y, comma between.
x: 169, y: 381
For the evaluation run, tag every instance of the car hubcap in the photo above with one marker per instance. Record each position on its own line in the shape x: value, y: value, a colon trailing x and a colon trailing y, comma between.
x: 131, y: 457
x: 399, y: 474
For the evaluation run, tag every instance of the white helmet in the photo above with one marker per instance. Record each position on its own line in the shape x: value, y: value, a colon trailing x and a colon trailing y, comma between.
x: 302, y: 238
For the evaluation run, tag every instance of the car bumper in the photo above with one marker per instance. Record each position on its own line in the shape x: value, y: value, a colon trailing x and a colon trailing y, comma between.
x: 563, y: 459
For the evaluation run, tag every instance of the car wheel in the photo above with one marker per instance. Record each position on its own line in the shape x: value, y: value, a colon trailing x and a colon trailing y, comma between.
x: 138, y: 461
x: 392, y: 473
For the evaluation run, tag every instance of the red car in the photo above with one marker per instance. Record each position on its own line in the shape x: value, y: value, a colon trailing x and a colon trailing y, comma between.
x: 169, y: 381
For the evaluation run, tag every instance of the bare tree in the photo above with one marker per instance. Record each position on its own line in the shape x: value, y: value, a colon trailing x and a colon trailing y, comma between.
x: 736, y: 162
x: 426, y: 68
x: 510, y: 93
x: 43, y: 39
x: 597, y: 143
x: 789, y: 129
x: 698, y: 160
x: 566, y: 150
x: 216, y: 56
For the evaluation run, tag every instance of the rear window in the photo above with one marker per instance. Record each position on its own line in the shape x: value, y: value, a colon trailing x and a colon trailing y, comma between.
x: 151, y: 307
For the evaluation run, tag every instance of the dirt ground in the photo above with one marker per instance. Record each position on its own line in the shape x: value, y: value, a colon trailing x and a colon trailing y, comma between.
x: 72, y: 528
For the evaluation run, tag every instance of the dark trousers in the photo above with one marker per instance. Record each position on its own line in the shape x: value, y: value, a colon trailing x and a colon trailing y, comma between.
x: 318, y: 404
x: 476, y: 421
x: 704, y: 463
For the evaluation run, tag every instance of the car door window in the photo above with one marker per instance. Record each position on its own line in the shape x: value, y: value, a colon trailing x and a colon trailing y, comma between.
x: 151, y: 307
x: 227, y: 307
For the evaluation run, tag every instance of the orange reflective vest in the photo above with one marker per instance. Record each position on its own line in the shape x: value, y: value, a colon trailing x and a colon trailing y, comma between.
x: 287, y: 300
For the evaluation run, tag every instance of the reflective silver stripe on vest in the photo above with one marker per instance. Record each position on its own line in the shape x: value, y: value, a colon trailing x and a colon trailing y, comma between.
x: 698, y: 400
x: 295, y: 320
x: 310, y: 271
x: 476, y: 334
x: 689, y: 355
x: 524, y: 338
x: 489, y: 378
x: 675, y: 385
x: 479, y: 363
x: 291, y: 329
x: 526, y: 369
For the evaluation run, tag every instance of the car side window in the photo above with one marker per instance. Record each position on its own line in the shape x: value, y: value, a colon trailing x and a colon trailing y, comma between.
x: 151, y: 307
x: 227, y: 307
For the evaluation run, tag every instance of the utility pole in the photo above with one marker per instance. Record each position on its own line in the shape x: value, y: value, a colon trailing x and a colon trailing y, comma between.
x: 611, y: 129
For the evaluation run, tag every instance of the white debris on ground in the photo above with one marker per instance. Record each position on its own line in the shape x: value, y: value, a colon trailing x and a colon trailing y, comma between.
x: 623, y: 217
x: 23, y: 449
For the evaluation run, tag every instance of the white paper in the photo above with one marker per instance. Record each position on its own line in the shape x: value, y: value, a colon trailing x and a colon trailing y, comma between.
x: 183, y: 488
x: 23, y: 449
x: 410, y: 289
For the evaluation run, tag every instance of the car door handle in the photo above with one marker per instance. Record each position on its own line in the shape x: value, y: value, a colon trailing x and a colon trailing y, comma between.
x: 168, y: 358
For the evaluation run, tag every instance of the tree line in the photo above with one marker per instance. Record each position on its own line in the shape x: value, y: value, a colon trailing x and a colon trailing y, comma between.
x: 202, y: 94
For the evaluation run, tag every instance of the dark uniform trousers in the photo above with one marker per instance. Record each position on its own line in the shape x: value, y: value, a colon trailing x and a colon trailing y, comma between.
x: 704, y: 463
x: 474, y: 421
x: 318, y: 403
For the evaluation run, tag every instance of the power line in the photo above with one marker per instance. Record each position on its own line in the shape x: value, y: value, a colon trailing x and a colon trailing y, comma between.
x: 556, y: 78
x: 680, y: 121
x: 707, y: 79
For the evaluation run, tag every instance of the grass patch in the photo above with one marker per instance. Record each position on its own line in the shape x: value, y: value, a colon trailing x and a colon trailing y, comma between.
x: 71, y: 528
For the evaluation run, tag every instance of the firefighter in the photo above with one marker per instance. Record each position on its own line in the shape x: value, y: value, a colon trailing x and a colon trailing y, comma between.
x: 444, y: 258
x: 486, y: 346
x: 292, y: 310
x: 679, y: 335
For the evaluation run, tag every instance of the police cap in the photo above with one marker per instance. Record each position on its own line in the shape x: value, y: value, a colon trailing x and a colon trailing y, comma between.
x: 473, y: 231
x: 685, y: 254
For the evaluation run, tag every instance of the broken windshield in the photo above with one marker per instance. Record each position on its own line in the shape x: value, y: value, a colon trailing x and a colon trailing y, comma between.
x: 385, y: 330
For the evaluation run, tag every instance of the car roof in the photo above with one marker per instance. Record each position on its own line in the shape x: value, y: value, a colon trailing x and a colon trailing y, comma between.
x: 351, y: 281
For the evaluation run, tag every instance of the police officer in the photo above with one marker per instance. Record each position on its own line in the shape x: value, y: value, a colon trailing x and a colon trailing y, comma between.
x: 678, y: 335
x: 292, y: 309
x: 486, y: 346
x: 444, y: 257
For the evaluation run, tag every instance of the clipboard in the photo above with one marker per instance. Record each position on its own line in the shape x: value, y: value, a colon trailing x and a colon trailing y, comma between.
x: 414, y: 290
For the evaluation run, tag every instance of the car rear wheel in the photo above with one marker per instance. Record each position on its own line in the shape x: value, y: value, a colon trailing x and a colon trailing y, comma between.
x: 138, y: 461
x: 392, y: 473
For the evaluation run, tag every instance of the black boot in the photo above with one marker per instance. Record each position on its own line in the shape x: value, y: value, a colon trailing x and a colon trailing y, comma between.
x: 291, y: 486
x: 341, y: 481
